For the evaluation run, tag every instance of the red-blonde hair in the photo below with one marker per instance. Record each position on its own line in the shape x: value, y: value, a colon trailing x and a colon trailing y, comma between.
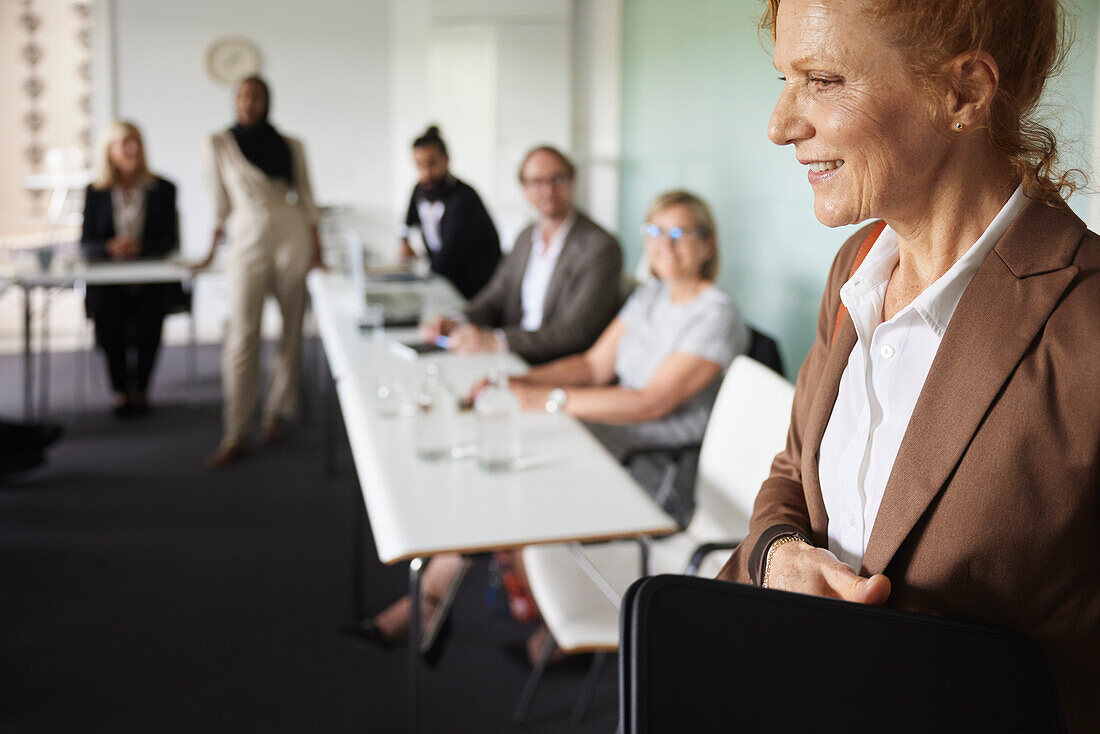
x: 1027, y: 39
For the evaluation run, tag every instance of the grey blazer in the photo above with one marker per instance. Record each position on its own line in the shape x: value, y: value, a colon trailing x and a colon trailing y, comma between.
x: 581, y: 300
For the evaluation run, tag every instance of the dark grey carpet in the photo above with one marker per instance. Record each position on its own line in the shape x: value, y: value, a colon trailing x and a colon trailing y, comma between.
x: 141, y: 593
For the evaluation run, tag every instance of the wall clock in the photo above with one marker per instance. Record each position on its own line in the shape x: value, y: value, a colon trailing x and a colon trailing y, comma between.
x: 231, y: 58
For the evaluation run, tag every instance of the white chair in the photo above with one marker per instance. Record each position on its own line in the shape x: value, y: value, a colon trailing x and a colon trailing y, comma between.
x: 578, y: 588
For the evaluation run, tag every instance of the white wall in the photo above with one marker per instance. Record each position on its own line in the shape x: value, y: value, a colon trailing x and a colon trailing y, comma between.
x: 328, y: 65
x: 496, y: 75
x: 597, y: 106
x: 353, y: 79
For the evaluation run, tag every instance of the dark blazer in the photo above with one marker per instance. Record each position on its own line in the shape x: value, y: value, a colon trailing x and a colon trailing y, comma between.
x: 992, y: 511
x: 581, y: 299
x: 160, y: 237
x: 470, y: 247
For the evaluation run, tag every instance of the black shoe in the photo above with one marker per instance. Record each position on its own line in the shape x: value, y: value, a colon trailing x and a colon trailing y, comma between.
x: 15, y: 463
x: 41, y: 435
x: 27, y: 438
x: 365, y: 634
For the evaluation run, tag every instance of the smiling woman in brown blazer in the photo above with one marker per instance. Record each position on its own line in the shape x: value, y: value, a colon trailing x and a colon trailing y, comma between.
x: 944, y: 450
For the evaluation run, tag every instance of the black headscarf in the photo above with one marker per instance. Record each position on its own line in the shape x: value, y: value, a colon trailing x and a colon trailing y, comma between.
x: 262, y: 144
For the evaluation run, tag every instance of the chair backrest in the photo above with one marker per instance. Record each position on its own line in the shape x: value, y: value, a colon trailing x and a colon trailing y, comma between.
x: 747, y: 428
x: 765, y: 350
x: 642, y: 273
x: 708, y: 656
x: 627, y: 284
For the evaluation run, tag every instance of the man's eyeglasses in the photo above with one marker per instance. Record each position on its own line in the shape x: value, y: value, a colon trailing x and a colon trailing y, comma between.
x: 675, y: 235
x: 555, y: 181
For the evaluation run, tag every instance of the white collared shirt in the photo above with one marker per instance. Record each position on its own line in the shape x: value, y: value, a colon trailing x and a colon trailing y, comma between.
x: 884, y: 377
x: 128, y: 208
x: 431, y: 214
x: 540, y: 268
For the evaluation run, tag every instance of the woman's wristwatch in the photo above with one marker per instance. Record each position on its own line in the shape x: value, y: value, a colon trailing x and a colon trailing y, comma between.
x: 555, y: 401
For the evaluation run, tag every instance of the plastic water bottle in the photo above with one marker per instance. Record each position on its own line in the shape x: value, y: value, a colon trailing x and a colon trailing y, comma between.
x: 436, y: 417
x: 497, y: 410
x: 386, y: 391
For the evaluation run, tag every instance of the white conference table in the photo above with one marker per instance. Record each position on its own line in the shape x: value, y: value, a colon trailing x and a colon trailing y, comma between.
x: 69, y: 275
x: 567, y: 487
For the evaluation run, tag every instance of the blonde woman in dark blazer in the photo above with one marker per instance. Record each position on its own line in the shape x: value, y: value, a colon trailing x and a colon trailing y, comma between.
x: 129, y: 213
x: 264, y: 204
x: 944, y: 450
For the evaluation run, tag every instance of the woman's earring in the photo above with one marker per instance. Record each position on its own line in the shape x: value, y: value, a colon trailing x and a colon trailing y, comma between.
x: 958, y: 126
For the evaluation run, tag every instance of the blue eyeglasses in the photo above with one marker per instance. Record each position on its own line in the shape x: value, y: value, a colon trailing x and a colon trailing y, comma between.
x: 653, y: 232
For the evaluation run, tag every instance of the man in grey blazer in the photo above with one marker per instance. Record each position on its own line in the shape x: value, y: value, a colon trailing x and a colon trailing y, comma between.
x: 557, y: 289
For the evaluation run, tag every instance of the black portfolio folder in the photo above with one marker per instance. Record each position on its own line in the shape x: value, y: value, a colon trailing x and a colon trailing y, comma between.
x: 707, y: 656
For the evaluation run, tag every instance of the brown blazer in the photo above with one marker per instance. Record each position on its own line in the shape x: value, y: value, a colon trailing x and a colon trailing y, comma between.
x: 581, y: 299
x: 992, y: 511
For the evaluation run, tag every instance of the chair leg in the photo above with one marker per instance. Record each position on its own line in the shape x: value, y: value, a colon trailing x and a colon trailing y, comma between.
x: 589, y: 689
x: 28, y: 357
x: 533, y: 681
x: 83, y: 357
x: 668, y: 483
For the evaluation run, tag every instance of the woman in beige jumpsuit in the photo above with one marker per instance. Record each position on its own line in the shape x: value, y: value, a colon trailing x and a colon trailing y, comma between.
x: 265, y: 207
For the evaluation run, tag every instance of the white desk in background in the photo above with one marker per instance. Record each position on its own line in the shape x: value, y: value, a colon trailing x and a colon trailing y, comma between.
x: 568, y: 488
x: 126, y: 272
x: 77, y: 275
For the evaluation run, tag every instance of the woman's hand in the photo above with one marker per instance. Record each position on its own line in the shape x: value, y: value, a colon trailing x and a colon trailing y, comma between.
x: 480, y: 385
x: 802, y: 568
x: 123, y: 248
x: 202, y: 265
x: 317, y: 261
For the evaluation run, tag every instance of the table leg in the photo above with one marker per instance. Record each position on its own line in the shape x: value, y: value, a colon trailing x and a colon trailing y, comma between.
x: 304, y: 381
x: 28, y: 358
x: 414, y: 645
x: 329, y: 419
x: 358, y: 540
x: 44, y: 360
x: 643, y: 548
x: 319, y: 358
x: 192, y: 353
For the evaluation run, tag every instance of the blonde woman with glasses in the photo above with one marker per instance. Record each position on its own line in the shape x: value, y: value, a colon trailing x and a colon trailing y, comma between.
x: 652, y: 376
